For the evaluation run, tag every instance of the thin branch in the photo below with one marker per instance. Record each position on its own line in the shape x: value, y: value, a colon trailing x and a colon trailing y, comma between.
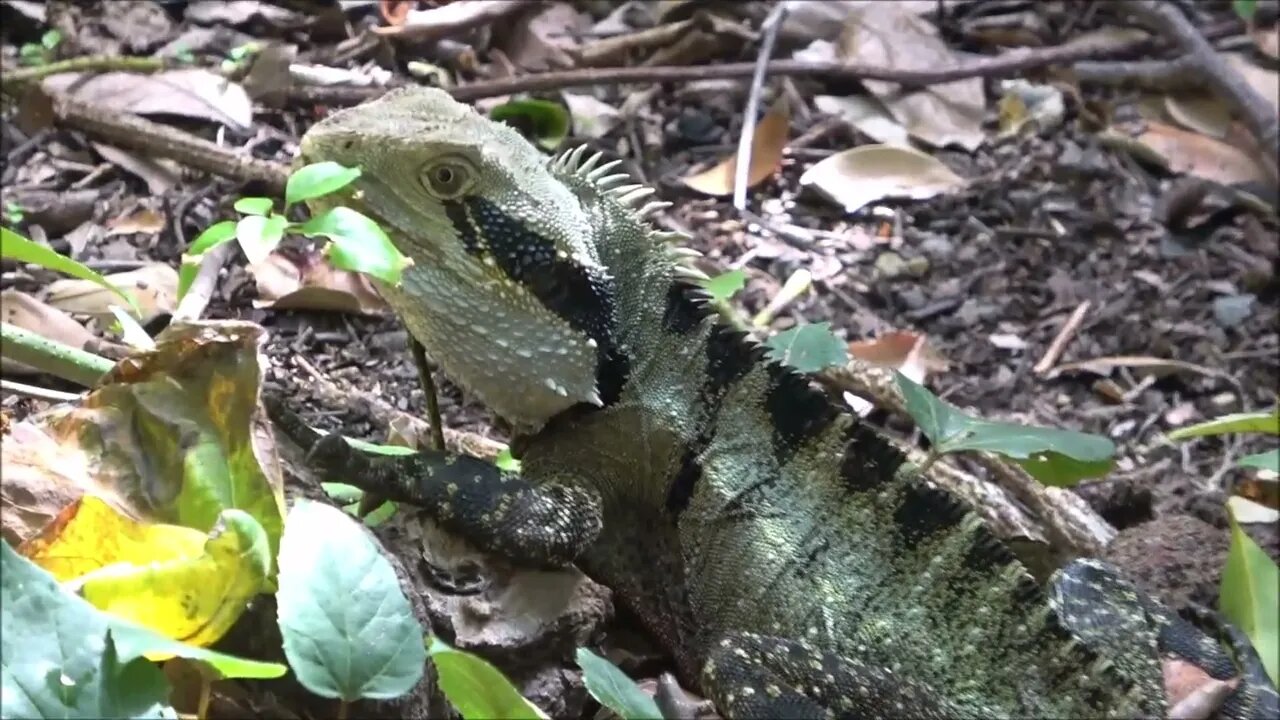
x: 742, y: 165
x: 141, y: 135
x: 86, y: 63
x: 1004, y: 65
x: 1165, y: 75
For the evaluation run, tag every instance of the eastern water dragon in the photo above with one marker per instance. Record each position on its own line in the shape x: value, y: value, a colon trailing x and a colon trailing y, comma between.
x: 776, y: 545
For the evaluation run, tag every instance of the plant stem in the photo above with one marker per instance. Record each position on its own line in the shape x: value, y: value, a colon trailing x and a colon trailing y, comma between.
x: 50, y: 356
x: 929, y: 460
x: 95, y: 63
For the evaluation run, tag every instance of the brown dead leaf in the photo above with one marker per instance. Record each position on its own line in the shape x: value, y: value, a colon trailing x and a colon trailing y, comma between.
x: 143, y: 220
x: 24, y: 311
x: 902, y: 350
x: 766, y: 155
x: 154, y: 286
x: 891, y: 35
x: 191, y: 92
x: 310, y: 283
x: 539, y: 41
x: 1183, y: 151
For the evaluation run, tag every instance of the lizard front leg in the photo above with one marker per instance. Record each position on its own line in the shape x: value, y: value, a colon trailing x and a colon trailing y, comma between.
x: 751, y: 676
x: 547, y: 524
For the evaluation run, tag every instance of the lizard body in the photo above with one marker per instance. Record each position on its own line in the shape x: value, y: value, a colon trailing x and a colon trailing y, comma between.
x: 774, y: 544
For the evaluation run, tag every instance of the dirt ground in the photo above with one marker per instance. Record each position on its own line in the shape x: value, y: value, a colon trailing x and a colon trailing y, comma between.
x: 1170, y: 267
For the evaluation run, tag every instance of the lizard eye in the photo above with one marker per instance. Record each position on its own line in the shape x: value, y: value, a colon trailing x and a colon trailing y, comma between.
x: 447, y: 179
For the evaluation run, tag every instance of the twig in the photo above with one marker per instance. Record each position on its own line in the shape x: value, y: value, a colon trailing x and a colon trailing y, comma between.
x: 742, y: 165
x: 447, y: 20
x: 139, y: 134
x: 51, y: 356
x: 1007, y: 64
x: 86, y: 63
x: 1059, y: 343
x: 201, y: 290
x: 1225, y: 81
x: 1164, y: 75
x: 39, y: 393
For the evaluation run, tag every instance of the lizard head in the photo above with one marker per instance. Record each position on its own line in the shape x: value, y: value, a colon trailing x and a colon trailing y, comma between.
x: 506, y: 291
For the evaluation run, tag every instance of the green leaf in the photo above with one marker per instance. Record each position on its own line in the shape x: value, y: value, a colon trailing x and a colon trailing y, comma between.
x: 135, y: 641
x: 358, y: 244
x: 725, y: 285
x: 1245, y: 8
x: 340, y: 643
x: 1055, y: 457
x: 547, y: 122
x: 13, y: 245
x: 476, y: 688
x: 1268, y: 460
x: 318, y: 179
x: 613, y: 689
x: 50, y: 39
x: 254, y: 205
x: 808, y: 348
x: 58, y: 658
x: 377, y: 449
x: 507, y: 461
x: 380, y: 514
x: 1267, y: 421
x: 213, y: 236
x: 1250, y: 597
x: 259, y: 235
x: 342, y: 492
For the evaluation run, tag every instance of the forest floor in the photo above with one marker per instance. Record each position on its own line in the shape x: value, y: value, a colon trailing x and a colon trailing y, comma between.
x: 1165, y: 267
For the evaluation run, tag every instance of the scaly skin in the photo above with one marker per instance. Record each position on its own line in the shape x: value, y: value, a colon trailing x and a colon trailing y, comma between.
x: 767, y: 538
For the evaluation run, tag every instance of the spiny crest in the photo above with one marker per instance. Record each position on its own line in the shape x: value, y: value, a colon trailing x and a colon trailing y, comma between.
x: 576, y: 163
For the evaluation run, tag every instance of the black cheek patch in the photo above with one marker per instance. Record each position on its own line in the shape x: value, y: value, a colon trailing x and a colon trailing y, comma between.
x: 583, y: 301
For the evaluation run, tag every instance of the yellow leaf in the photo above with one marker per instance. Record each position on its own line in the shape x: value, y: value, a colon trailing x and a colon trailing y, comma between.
x: 175, y: 580
x: 766, y: 155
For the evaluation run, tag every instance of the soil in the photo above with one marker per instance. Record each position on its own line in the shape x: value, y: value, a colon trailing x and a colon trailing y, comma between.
x: 1052, y: 221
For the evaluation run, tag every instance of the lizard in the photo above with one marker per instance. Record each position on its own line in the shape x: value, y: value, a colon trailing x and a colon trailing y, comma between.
x: 780, y: 548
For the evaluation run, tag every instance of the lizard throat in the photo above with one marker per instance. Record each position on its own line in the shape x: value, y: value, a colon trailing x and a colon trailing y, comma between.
x: 581, y: 298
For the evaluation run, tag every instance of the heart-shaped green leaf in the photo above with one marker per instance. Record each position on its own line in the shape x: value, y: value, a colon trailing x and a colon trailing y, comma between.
x: 1055, y: 457
x: 808, y: 348
x: 360, y: 642
x: 725, y: 285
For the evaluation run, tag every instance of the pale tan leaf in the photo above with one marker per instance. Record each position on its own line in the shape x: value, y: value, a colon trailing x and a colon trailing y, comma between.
x: 143, y: 220
x: 766, y: 155
x: 868, y: 115
x: 310, y: 283
x: 1201, y: 112
x: 24, y: 311
x: 154, y: 286
x: 1248, y: 511
x: 865, y: 174
x: 1265, y: 82
x: 890, y: 35
x: 191, y: 92
x: 592, y: 118
x: 1183, y: 151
